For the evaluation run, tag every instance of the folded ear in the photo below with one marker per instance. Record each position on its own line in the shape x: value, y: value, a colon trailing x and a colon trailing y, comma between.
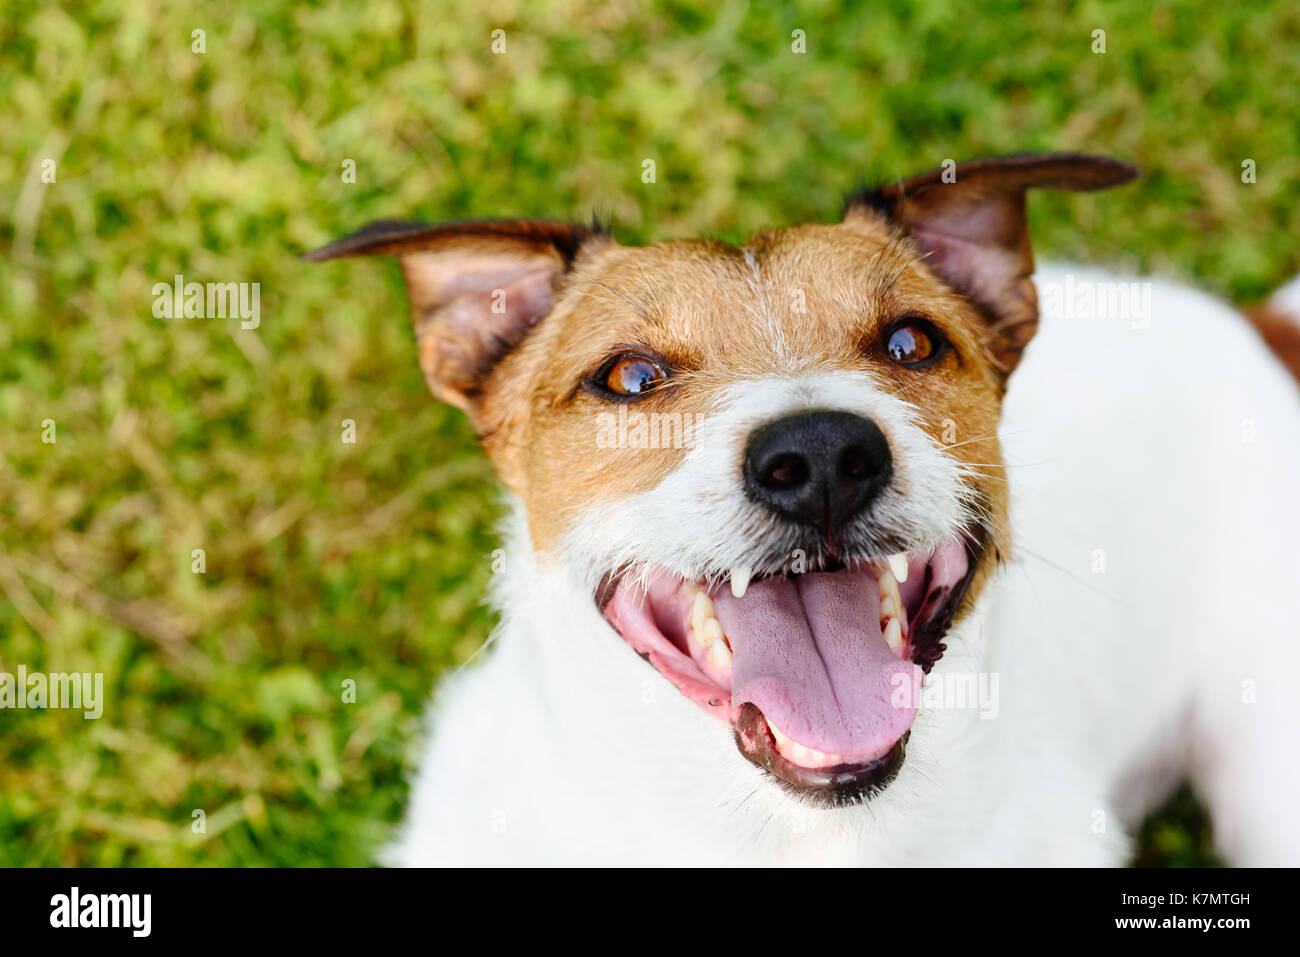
x: 968, y: 220
x: 476, y: 288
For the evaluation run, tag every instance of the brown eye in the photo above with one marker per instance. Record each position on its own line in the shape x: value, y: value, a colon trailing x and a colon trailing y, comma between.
x: 913, y: 342
x: 632, y: 375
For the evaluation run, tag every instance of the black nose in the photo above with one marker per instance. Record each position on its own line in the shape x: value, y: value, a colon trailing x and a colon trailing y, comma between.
x: 817, y: 468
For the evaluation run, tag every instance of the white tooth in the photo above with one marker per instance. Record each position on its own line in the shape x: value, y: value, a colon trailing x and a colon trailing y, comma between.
x: 809, y: 757
x: 798, y: 753
x: 898, y: 565
x: 894, y: 634
x: 701, y: 611
x: 782, y: 742
x: 740, y: 580
x: 713, y: 631
x: 887, y: 585
x: 891, y: 600
x: 719, y: 653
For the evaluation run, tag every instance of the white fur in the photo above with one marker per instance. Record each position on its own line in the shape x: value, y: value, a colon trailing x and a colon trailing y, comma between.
x: 1145, y: 631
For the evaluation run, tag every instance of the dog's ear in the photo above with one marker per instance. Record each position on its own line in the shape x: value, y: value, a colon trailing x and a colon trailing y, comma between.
x: 968, y: 220
x: 475, y: 287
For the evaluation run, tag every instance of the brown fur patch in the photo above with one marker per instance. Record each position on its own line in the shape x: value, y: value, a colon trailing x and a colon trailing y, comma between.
x: 1281, y: 332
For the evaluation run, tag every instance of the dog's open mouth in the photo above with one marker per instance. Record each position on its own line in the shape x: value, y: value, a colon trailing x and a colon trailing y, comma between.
x: 818, y: 673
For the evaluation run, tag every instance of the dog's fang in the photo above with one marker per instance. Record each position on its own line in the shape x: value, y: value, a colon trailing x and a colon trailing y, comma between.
x: 740, y: 580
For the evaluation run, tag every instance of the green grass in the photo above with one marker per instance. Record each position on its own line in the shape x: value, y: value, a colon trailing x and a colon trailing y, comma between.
x: 328, y: 561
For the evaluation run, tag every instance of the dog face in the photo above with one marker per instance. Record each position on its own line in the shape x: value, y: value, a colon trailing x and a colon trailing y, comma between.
x: 774, y: 467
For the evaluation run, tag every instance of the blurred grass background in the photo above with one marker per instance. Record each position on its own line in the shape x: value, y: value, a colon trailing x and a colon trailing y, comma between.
x: 329, y: 561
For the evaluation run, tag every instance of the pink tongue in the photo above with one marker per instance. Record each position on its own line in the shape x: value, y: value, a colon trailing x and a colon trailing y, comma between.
x: 809, y: 654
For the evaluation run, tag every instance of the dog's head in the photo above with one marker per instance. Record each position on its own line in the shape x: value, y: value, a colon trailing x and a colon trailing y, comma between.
x: 775, y: 466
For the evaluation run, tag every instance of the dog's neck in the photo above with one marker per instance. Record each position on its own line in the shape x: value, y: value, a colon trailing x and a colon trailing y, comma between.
x: 599, y: 724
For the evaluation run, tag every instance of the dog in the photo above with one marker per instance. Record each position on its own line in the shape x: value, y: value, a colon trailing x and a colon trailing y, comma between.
x: 824, y: 550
